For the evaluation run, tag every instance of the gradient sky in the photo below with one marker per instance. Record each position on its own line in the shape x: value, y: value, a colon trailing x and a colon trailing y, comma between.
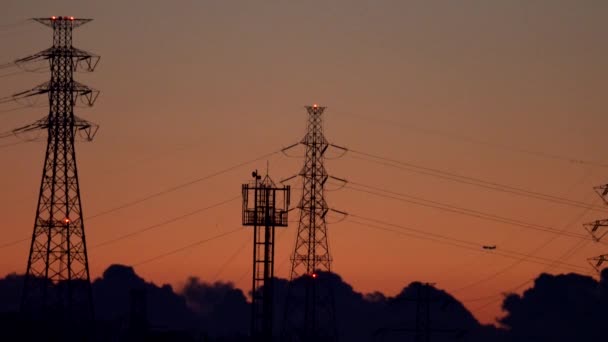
x: 193, y: 87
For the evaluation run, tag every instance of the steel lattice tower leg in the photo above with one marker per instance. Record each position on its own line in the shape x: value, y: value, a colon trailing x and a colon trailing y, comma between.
x: 310, y: 315
x: 57, y: 288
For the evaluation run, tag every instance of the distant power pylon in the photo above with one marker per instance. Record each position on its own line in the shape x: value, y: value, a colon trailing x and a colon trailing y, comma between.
x: 265, y: 206
x: 598, y: 229
x: 423, y: 329
x: 310, y: 313
x: 57, y: 289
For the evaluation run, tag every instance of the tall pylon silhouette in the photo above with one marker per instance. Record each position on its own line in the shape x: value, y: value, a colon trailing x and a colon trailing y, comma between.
x: 309, y: 308
x: 57, y: 289
x: 598, y: 229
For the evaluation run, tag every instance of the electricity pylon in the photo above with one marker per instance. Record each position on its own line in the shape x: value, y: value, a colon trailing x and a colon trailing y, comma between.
x: 265, y: 206
x: 309, y: 311
x: 598, y: 230
x: 57, y: 288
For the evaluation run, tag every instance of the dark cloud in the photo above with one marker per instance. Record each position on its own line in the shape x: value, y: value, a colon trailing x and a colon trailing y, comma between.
x: 115, y: 297
x: 557, y: 308
x: 10, y: 292
x: 568, y: 307
x: 220, y: 308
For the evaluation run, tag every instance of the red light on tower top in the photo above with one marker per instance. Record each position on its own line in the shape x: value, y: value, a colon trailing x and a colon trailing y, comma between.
x: 314, y: 276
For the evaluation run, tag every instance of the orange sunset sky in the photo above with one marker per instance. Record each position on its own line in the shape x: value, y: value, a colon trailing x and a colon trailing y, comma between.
x: 511, y: 92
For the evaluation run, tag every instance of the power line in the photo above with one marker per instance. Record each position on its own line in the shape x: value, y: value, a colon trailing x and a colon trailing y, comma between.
x: 460, y: 243
x: 7, y: 134
x: 494, y: 298
x: 15, y: 242
x: 192, y: 245
x: 232, y: 257
x: 459, y: 210
x: 12, y: 73
x: 13, y: 144
x: 180, y: 186
x: 14, y: 24
x: 163, y: 223
x: 535, y: 251
x: 13, y: 110
x: 8, y: 65
x: 157, y: 194
x: 469, y: 140
x: 406, y: 166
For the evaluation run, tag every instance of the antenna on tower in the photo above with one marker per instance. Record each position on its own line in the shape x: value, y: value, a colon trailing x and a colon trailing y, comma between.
x: 265, y: 206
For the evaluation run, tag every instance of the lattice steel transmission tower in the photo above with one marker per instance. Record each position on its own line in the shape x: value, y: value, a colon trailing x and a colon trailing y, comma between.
x: 57, y: 289
x: 265, y: 206
x: 598, y: 229
x: 309, y: 309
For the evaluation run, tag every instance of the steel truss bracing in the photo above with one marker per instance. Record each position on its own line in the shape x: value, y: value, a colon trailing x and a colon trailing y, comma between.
x: 265, y: 206
x: 309, y: 309
x: 57, y: 287
x: 598, y: 229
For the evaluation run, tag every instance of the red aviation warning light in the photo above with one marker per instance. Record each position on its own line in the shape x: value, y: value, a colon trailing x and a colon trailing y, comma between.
x: 66, y: 220
x: 71, y: 18
x: 53, y: 17
x: 314, y: 276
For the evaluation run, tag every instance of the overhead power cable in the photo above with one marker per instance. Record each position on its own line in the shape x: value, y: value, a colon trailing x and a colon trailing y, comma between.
x: 578, y: 244
x: 191, y: 245
x: 180, y: 186
x: 458, y: 210
x: 157, y: 194
x: 460, y: 243
x: 496, y: 145
x: 163, y: 223
x: 406, y: 166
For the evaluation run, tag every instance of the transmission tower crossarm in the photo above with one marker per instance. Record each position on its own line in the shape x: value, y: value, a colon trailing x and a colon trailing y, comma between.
x: 78, y: 55
x: 602, y: 191
x: 51, y: 21
x: 38, y: 124
x: 596, y: 262
x: 595, y: 229
x: 77, y: 88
